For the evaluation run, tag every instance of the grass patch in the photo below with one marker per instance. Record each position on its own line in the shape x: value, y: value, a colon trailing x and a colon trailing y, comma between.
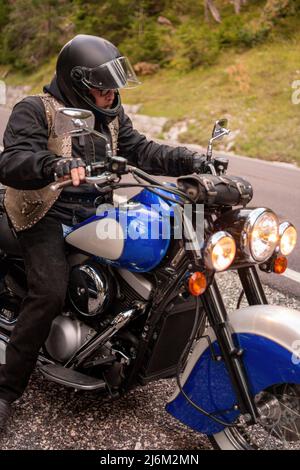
x: 252, y: 89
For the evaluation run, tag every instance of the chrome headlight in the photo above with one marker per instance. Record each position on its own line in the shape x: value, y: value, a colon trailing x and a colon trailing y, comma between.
x: 260, y: 234
x: 288, y: 238
x: 219, y: 251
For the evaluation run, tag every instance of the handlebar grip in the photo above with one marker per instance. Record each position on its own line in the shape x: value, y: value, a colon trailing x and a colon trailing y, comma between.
x: 63, y: 184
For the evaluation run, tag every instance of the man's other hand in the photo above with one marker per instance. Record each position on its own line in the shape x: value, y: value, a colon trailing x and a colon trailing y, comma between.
x: 199, y: 163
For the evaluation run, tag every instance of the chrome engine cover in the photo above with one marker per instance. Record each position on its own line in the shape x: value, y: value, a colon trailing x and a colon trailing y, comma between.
x: 90, y: 289
x: 66, y: 336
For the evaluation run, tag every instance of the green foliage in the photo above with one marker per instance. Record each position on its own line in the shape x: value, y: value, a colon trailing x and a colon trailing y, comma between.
x: 111, y: 19
x: 33, y: 31
x: 4, y: 15
x: 276, y: 9
x: 194, y: 46
x: 275, y: 19
x: 4, y: 12
x: 178, y: 9
x: 145, y: 42
x: 235, y: 32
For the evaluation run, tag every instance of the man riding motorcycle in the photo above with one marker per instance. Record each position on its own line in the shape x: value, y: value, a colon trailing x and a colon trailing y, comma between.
x: 89, y: 73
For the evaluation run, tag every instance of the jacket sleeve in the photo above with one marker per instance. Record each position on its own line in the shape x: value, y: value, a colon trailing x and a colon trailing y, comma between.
x: 25, y: 146
x: 152, y: 157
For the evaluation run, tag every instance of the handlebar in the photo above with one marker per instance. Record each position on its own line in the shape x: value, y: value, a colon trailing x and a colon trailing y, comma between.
x: 110, y: 180
x: 106, y: 173
x: 102, y: 179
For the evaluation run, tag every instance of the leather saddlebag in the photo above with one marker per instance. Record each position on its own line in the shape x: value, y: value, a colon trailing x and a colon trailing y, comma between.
x: 214, y: 190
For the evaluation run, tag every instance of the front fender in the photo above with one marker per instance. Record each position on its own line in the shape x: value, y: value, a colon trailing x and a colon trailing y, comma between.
x: 268, y: 335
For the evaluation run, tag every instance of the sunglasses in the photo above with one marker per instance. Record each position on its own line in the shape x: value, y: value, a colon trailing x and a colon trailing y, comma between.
x: 105, y: 92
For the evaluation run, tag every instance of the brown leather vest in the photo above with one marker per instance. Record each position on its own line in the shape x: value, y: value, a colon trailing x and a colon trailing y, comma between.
x: 26, y: 207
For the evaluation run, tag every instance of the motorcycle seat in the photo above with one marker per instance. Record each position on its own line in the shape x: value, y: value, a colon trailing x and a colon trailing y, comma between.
x: 8, y: 242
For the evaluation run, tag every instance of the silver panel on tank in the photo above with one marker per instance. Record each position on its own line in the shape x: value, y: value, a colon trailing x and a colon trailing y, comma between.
x: 103, y: 238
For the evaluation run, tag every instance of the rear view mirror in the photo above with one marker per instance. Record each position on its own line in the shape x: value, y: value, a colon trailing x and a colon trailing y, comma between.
x: 74, y: 122
x: 220, y: 129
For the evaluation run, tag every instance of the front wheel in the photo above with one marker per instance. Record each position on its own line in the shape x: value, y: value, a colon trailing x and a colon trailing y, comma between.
x: 278, y: 427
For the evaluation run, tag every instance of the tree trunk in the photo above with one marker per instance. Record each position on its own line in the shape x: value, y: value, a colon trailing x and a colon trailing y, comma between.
x: 238, y: 4
x: 210, y: 8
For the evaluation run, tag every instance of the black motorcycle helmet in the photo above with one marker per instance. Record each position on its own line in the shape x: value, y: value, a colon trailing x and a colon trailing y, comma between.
x: 88, y: 62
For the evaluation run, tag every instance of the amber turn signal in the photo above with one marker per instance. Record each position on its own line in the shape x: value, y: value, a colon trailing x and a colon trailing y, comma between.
x: 197, y: 284
x: 280, y: 265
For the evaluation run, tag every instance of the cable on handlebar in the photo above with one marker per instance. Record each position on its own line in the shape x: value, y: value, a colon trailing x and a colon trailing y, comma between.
x: 178, y: 192
x: 138, y: 174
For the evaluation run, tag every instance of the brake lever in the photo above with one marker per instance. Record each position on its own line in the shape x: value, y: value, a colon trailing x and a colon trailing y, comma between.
x: 105, y: 178
x: 61, y: 185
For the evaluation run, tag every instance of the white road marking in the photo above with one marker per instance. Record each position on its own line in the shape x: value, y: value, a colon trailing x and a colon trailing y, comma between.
x: 293, y: 275
x: 288, y: 166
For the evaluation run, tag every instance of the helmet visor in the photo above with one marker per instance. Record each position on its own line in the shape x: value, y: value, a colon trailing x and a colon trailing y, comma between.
x: 117, y: 73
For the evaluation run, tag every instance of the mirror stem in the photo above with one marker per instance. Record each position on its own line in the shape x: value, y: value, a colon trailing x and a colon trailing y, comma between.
x: 107, y: 145
x: 108, y: 150
x: 209, y: 151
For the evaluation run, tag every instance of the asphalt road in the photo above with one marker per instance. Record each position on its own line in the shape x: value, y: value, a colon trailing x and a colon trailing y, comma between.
x: 275, y: 185
x: 4, y: 115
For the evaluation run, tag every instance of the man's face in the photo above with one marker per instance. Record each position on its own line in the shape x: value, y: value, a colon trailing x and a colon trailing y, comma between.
x: 103, y: 101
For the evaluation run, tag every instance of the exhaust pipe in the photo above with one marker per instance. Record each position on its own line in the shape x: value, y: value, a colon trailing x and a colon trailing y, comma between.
x: 118, y: 322
x: 3, y: 345
x: 7, y: 325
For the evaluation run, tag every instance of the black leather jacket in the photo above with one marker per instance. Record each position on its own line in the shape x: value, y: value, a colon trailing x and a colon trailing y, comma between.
x: 25, y: 155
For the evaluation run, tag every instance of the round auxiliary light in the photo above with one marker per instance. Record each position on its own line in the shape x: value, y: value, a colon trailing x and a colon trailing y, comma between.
x: 288, y: 238
x: 220, y: 251
x: 260, y: 235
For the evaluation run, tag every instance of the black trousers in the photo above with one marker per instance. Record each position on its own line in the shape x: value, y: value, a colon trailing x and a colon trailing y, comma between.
x: 47, y: 277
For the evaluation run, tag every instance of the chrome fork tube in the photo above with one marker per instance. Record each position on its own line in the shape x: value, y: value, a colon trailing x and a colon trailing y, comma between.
x: 252, y: 286
x: 230, y: 353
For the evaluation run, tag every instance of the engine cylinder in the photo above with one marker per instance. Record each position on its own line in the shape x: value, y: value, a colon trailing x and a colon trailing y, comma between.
x: 66, y: 336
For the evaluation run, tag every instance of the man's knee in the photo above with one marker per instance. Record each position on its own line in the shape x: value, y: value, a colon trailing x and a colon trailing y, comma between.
x: 55, y: 292
x: 49, y: 283
x: 52, y: 293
